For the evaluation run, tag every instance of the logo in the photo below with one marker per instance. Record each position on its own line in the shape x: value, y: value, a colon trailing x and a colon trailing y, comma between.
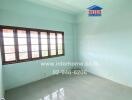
x: 94, y: 10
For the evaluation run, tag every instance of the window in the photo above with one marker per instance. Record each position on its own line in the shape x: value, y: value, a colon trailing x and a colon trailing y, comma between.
x: 25, y: 44
x: 52, y: 43
x: 44, y: 43
x: 22, y: 44
x: 9, y: 45
x: 34, y: 44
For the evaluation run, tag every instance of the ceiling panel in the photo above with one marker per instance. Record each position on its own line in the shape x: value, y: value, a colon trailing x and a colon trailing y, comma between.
x: 71, y: 6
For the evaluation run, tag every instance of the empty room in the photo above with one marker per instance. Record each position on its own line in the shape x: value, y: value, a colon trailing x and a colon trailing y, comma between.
x: 65, y: 50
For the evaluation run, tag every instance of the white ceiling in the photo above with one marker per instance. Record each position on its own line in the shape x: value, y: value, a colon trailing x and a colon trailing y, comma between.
x: 71, y: 6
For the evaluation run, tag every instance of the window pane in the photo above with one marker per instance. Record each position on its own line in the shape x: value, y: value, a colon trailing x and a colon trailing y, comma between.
x: 59, y: 35
x: 59, y: 41
x: 23, y: 56
x: 60, y: 46
x: 35, y: 54
x: 35, y: 47
x: 8, y: 33
x: 52, y: 35
x: 44, y: 47
x: 9, y: 49
x: 44, y: 41
x: 22, y: 48
x: 34, y: 34
x: 52, y: 47
x: 53, y: 52
x: 52, y: 41
x: 43, y: 34
x: 22, y: 41
x: 34, y: 40
x: 8, y: 41
x: 10, y: 57
x: 21, y: 33
x: 60, y: 51
x: 44, y: 53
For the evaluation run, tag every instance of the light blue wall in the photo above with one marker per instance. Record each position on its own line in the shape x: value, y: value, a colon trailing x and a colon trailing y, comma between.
x: 1, y: 80
x: 25, y: 14
x: 105, y: 43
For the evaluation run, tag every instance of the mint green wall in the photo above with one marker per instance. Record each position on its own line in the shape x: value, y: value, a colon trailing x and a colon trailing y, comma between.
x: 1, y: 80
x: 24, y: 14
x: 106, y: 42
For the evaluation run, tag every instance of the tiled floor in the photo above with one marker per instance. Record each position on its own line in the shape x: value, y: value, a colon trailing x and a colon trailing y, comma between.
x: 64, y: 87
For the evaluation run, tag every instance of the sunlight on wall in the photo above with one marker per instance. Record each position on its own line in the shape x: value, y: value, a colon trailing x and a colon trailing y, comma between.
x: 105, y: 42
